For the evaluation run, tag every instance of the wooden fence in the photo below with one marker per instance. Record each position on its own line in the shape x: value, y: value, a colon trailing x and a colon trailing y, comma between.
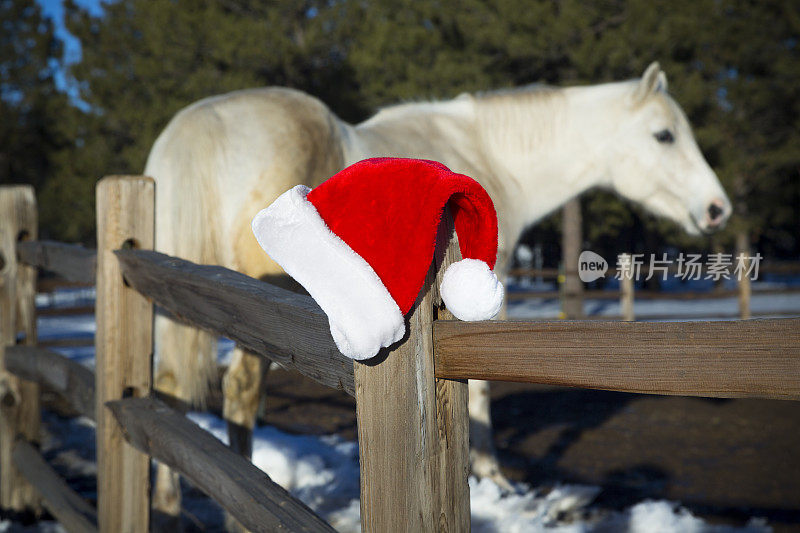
x: 411, y: 400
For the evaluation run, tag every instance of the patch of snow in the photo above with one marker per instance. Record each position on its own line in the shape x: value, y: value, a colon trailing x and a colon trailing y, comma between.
x: 45, y: 526
x: 669, y: 517
x: 320, y: 471
x: 323, y: 473
x: 225, y: 351
x: 82, y: 354
x: 65, y: 327
x: 524, y: 509
x: 760, y: 304
x: 68, y: 297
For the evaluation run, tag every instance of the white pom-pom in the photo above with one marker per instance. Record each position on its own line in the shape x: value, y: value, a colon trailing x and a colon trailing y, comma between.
x: 471, y: 291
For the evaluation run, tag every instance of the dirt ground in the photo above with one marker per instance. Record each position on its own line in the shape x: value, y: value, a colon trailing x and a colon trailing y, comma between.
x: 725, y: 460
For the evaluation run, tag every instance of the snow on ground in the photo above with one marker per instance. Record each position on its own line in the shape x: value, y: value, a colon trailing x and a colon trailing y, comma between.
x: 764, y: 305
x: 67, y: 297
x: 323, y: 471
x: 45, y: 526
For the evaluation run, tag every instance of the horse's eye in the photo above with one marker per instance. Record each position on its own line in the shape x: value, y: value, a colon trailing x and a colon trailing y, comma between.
x: 664, y: 136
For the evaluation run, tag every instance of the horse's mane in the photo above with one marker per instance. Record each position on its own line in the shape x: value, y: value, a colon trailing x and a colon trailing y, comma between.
x: 534, y: 90
x: 503, y: 97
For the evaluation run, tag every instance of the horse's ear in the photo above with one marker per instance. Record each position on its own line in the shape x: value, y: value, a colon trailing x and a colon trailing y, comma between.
x: 653, y: 80
x: 662, y: 82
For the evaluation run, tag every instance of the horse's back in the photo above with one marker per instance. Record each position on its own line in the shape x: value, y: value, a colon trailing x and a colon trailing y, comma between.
x: 216, y: 164
x: 223, y: 158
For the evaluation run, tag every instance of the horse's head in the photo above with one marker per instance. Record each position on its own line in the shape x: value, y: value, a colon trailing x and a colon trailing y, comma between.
x: 653, y: 159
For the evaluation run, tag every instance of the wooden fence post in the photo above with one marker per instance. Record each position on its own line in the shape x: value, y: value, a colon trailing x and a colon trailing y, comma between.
x: 743, y: 282
x: 626, y: 287
x: 123, y: 345
x: 19, y: 399
x: 413, y: 429
x: 571, y: 244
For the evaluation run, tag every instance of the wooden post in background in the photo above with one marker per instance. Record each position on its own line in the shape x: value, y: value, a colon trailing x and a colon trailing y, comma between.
x: 19, y: 399
x: 571, y: 243
x: 413, y: 429
x: 741, y: 190
x: 626, y: 287
x: 745, y: 288
x: 123, y: 345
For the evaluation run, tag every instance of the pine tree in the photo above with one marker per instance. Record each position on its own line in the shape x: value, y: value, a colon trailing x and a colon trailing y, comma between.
x: 30, y: 105
x: 144, y: 60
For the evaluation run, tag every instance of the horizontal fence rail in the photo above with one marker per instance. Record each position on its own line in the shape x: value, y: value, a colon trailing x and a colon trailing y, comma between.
x: 66, y: 505
x: 73, y: 262
x: 750, y: 358
x: 72, y: 381
x: 283, y: 326
x: 231, y: 479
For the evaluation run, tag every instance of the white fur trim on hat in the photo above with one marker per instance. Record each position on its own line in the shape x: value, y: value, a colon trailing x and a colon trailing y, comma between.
x: 471, y: 291
x: 363, y: 316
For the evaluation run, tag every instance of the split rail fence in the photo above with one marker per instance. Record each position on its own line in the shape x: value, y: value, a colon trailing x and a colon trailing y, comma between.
x: 411, y: 400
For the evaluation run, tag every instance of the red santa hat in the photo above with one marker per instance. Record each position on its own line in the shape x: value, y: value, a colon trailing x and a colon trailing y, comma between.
x: 362, y: 242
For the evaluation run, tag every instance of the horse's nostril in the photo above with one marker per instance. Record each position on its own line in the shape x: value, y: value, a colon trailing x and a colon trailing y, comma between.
x: 714, y: 212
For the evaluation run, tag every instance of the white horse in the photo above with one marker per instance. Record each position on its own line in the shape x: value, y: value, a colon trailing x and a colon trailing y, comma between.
x: 222, y: 159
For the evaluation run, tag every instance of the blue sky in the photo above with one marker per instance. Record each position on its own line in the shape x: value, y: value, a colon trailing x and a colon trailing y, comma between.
x: 54, y: 10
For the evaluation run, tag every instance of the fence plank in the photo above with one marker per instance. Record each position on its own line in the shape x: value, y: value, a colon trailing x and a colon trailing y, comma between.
x: 452, y: 416
x: 72, y: 512
x: 72, y: 262
x: 227, y: 477
x: 20, y: 406
x: 626, y: 287
x: 123, y: 345
x: 283, y: 326
x: 70, y: 380
x: 743, y: 280
x: 412, y: 432
x: 571, y: 245
x: 746, y: 358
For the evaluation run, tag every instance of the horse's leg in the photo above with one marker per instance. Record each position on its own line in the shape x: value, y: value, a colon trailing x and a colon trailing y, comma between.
x: 482, y: 452
x: 184, y: 367
x: 241, y: 389
x: 167, y: 500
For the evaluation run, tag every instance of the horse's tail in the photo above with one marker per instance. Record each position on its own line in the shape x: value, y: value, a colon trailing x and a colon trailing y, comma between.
x: 184, y: 163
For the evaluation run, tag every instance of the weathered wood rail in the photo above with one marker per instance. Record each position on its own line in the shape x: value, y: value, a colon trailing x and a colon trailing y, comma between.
x: 239, y: 487
x: 411, y: 400
x: 73, y: 382
x: 72, y: 262
x: 72, y: 511
x: 286, y: 327
x: 757, y: 358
